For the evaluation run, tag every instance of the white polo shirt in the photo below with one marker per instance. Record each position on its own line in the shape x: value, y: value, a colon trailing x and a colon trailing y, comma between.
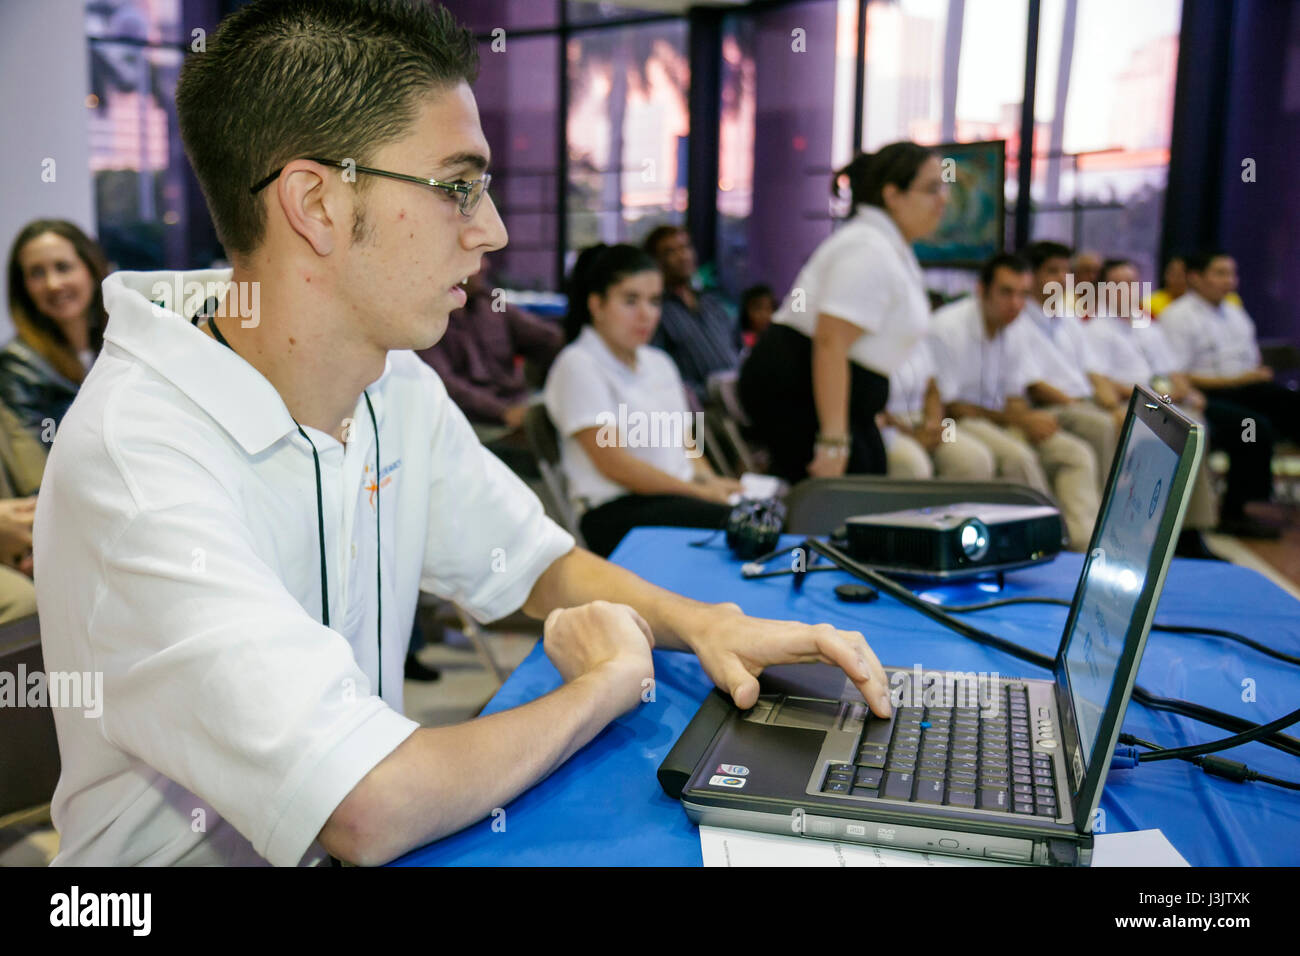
x: 1061, y: 356
x: 176, y: 549
x: 971, y: 367
x: 1210, y: 340
x: 908, y: 383
x: 585, y: 388
x: 865, y: 273
x: 1130, y: 355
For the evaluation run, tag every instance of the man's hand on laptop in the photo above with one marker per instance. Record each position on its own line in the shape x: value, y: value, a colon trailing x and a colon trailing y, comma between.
x: 602, y: 638
x: 735, y: 649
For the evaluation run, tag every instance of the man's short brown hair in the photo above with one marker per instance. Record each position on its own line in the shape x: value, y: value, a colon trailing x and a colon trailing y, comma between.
x: 287, y: 79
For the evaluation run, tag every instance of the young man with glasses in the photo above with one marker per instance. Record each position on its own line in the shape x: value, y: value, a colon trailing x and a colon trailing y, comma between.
x: 238, y: 514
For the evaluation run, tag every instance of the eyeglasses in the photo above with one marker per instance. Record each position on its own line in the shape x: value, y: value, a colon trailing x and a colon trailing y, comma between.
x: 940, y: 188
x: 471, y: 192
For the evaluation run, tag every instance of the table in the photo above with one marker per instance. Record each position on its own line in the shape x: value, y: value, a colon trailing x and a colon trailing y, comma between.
x: 605, y: 807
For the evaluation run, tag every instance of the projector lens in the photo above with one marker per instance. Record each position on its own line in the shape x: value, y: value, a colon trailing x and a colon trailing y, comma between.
x: 974, y: 537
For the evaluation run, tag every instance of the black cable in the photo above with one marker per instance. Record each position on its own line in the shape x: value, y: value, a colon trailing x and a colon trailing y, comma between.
x: 1277, y: 782
x: 379, y: 552
x: 1197, y: 750
x: 1214, y: 766
x: 320, y: 530
x: 1157, y: 626
x: 1279, y: 741
x: 896, y: 590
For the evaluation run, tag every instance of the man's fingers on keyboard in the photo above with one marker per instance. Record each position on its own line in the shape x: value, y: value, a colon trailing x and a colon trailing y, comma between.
x: 849, y: 650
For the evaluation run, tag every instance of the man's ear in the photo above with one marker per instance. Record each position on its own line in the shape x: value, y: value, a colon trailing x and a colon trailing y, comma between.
x: 312, y: 204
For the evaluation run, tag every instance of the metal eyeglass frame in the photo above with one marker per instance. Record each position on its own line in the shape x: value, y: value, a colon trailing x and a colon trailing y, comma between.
x: 466, y: 190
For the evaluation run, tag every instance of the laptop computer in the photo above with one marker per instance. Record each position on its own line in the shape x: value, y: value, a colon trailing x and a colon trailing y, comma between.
x: 968, y: 764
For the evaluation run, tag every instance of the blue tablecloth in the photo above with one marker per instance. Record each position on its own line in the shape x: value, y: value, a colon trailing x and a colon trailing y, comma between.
x: 605, y: 807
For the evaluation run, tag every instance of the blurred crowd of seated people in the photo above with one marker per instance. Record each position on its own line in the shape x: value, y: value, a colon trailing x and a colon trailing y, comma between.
x: 853, y: 371
x: 857, y: 368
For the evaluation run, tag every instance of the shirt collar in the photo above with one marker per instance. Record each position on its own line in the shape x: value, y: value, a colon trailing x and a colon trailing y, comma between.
x: 589, y: 339
x: 1206, y: 304
x: 1038, y: 316
x: 878, y: 219
x: 147, y: 318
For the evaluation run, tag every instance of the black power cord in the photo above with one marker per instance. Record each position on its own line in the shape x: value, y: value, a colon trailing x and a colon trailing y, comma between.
x: 1222, y: 767
x: 1157, y: 626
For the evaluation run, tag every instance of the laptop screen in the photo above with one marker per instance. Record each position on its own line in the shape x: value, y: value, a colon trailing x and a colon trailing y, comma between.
x: 1116, y: 574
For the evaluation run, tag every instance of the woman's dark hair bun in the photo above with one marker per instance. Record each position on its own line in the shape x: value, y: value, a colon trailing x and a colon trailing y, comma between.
x: 869, y: 173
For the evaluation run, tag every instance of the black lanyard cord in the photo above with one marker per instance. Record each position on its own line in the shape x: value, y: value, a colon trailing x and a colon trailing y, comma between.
x: 379, y: 554
x: 320, y: 532
x: 320, y: 525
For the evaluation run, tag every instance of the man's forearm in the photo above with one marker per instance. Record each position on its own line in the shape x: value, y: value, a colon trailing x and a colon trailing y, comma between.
x: 1045, y: 394
x: 1212, y: 382
x: 580, y: 577
x: 967, y: 410
x: 442, y: 779
x: 933, y: 404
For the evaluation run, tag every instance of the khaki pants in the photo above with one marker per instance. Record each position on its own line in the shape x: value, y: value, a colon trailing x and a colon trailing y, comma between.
x: 22, y: 458
x: 1062, y: 467
x: 1094, y: 425
x: 17, y: 595
x: 965, y: 459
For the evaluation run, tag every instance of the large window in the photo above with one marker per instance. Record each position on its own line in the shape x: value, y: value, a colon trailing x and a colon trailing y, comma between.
x: 626, y: 131
x: 147, y: 204
x: 1104, y: 110
x: 585, y: 105
x: 945, y: 71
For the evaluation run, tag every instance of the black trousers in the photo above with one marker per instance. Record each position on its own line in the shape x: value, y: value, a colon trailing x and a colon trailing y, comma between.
x: 776, y: 391
x: 605, y: 526
x: 1245, y: 421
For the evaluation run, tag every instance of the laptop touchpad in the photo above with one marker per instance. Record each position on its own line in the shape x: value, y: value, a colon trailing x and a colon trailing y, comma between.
x: 806, y: 713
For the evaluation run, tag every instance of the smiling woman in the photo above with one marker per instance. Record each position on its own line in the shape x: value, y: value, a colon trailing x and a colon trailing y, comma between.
x: 57, y: 308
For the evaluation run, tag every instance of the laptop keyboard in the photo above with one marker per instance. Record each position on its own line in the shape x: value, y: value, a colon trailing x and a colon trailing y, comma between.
x: 951, y: 756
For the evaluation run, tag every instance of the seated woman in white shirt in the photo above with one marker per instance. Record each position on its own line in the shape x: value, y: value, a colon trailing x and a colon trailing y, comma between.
x: 621, y: 410
x: 816, y: 381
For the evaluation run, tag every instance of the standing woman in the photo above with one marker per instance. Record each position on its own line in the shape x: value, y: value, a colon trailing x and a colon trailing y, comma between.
x: 815, y: 382
x: 57, y: 307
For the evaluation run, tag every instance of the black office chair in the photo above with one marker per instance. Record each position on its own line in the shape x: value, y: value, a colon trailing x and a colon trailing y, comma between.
x: 29, y: 748
x: 817, y: 506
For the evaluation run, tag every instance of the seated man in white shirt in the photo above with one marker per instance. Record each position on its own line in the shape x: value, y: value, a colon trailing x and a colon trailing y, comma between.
x: 1067, y: 379
x: 237, y: 519
x: 981, y: 348
x: 1214, y: 340
x: 1134, y: 351
x: 919, y: 441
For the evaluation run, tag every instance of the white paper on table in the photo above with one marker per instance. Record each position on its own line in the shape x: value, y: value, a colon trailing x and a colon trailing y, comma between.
x: 726, y: 847
x: 1139, y: 848
x: 722, y: 846
x: 758, y: 487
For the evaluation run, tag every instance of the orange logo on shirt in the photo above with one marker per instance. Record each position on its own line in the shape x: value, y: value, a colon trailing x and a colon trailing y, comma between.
x: 372, y: 487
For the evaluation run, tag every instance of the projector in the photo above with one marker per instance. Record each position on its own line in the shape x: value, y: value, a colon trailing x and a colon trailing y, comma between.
x: 951, y: 541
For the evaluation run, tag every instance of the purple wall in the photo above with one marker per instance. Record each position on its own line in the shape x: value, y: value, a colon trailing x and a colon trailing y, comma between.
x: 1260, y: 221
x: 792, y: 140
x: 518, y: 99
